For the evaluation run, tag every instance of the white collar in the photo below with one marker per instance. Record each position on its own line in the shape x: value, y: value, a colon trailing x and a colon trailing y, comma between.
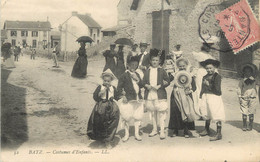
x: 145, y: 53
x: 153, y: 67
x: 251, y: 78
x: 109, y: 88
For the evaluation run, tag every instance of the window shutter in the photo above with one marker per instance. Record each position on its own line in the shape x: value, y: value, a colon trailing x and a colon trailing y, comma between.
x: 134, y: 5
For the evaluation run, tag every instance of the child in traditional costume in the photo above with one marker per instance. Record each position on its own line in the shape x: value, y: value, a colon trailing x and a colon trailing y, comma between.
x: 182, y: 112
x: 104, y: 118
x: 247, y: 94
x: 211, y: 98
x: 155, y: 81
x: 131, y: 106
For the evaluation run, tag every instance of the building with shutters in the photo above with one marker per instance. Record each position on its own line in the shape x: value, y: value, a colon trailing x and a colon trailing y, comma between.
x: 35, y: 34
x: 180, y: 26
x: 78, y: 25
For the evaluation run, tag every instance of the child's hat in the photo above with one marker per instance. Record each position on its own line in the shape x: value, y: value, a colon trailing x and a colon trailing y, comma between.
x: 132, y: 59
x: 182, y: 59
x: 109, y: 73
x: 144, y: 44
x: 215, y: 63
x: 158, y: 53
x: 247, y: 65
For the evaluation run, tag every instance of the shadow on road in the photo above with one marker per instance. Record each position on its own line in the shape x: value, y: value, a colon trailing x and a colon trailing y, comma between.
x: 239, y: 124
x: 14, y: 131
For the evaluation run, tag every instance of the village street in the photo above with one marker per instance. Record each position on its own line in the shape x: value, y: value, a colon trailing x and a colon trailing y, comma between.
x: 44, y: 108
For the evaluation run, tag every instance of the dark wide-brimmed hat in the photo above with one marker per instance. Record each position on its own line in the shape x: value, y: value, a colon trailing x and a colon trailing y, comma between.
x: 132, y: 59
x: 143, y: 44
x: 215, y: 63
x: 247, y: 65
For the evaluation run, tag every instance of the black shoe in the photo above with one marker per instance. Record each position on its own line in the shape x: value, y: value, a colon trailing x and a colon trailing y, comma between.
x: 218, y: 136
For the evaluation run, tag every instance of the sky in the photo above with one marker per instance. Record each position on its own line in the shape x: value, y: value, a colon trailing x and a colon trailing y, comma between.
x: 103, y: 11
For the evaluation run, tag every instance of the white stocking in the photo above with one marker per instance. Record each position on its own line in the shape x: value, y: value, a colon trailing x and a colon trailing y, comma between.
x: 162, y: 121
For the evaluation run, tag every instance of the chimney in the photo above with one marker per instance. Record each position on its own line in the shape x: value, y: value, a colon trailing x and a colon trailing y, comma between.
x: 74, y: 13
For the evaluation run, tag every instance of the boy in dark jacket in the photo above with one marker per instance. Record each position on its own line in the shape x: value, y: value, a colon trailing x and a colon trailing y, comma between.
x: 155, y: 81
x: 131, y: 106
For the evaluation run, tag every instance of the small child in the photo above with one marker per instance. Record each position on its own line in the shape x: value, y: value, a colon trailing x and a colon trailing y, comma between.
x: 247, y: 94
x: 155, y: 81
x: 104, y: 119
x: 211, y: 98
x: 33, y: 54
x: 169, y: 65
x: 129, y: 88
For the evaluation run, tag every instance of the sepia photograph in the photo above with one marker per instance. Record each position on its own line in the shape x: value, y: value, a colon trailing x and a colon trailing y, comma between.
x: 130, y: 81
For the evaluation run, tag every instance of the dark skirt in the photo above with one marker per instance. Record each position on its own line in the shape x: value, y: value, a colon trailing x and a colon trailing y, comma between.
x: 80, y: 67
x: 176, y: 122
x: 103, y: 121
x: 120, y: 68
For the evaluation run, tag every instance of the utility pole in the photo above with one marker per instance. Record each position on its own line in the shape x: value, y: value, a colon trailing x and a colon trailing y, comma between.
x: 162, y: 25
x: 65, y: 46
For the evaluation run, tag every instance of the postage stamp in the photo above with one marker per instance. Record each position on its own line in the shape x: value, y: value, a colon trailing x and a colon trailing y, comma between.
x: 239, y: 25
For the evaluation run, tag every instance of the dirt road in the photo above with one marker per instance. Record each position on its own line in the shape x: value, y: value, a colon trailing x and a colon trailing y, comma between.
x: 45, y: 109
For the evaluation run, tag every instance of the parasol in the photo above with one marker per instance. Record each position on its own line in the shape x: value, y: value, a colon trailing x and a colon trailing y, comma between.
x: 85, y: 39
x: 124, y: 41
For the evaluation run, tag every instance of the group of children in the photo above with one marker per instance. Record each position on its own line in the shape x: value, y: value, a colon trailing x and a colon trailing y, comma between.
x: 126, y: 101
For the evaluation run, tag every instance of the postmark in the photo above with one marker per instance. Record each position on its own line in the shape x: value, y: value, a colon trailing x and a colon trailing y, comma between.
x: 209, y: 28
x: 239, y: 25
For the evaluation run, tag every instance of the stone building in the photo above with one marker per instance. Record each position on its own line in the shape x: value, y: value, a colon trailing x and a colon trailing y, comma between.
x: 180, y: 26
x: 78, y: 25
x: 28, y: 33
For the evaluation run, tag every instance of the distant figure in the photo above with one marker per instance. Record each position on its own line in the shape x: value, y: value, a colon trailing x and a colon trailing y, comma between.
x: 144, y: 59
x: 16, y: 53
x: 55, y: 52
x: 7, y: 53
x: 177, y: 53
x: 33, y: 53
x: 80, y: 67
x: 133, y: 51
x: 120, y: 63
x: 110, y: 56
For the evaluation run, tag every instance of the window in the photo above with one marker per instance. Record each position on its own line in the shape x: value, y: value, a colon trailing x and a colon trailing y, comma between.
x: 44, y: 33
x: 98, y: 31
x: 13, y: 33
x: 34, y: 43
x: 94, y: 37
x: 24, y: 33
x: 34, y: 34
x: 91, y: 32
x: 13, y: 42
x: 24, y: 43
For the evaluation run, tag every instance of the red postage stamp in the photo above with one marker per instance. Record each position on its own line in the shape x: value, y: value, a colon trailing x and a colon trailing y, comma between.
x: 239, y: 25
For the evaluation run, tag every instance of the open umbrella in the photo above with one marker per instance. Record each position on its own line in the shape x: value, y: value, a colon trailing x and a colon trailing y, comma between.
x: 124, y: 41
x: 85, y: 39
